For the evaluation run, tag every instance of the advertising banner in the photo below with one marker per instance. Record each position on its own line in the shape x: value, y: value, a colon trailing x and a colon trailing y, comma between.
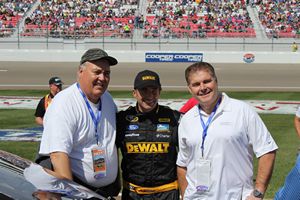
x: 173, y: 57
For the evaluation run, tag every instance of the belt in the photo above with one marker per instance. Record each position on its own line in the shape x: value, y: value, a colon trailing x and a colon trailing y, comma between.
x: 150, y: 190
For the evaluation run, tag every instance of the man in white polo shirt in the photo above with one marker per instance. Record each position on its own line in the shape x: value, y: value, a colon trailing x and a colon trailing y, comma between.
x: 217, y: 139
x: 80, y: 127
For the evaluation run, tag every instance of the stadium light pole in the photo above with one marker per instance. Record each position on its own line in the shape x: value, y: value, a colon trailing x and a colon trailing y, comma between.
x: 131, y: 43
x: 159, y: 21
x: 47, y: 34
x: 216, y: 43
x: 75, y: 39
x: 188, y: 30
x: 102, y: 37
x: 272, y: 43
x: 18, y: 32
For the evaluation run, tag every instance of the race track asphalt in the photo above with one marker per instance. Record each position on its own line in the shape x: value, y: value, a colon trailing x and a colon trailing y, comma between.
x: 231, y: 77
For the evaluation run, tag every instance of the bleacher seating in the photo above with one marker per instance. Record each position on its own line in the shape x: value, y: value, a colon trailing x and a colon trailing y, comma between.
x: 11, y: 11
x: 82, y: 18
x: 163, y: 18
x: 198, y: 19
x: 281, y: 19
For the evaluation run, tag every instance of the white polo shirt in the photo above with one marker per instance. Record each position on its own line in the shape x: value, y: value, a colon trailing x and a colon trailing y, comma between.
x: 236, y: 131
x: 69, y: 128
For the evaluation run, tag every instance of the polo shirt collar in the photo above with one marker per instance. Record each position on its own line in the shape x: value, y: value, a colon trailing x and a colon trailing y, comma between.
x: 223, y: 107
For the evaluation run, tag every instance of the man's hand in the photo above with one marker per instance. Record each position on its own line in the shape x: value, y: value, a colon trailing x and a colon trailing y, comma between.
x: 251, y: 197
x: 41, y: 195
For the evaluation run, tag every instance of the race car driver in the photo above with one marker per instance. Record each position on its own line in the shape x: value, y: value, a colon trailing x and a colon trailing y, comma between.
x: 147, y: 137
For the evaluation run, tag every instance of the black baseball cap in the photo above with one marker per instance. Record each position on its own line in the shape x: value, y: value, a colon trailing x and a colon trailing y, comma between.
x: 97, y: 54
x: 55, y: 80
x: 146, y: 78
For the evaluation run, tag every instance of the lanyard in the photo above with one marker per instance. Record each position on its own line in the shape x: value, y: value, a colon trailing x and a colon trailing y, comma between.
x: 95, y: 119
x: 205, y: 126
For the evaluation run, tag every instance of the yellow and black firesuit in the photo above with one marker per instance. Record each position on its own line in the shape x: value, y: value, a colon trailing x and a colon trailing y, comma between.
x: 149, y: 143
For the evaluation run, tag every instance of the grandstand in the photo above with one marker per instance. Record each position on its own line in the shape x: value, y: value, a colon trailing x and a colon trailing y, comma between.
x: 11, y: 13
x: 198, y: 20
x: 144, y: 20
x: 280, y: 19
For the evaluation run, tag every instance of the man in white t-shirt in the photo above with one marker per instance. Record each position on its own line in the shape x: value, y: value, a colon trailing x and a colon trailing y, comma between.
x: 217, y: 139
x: 80, y: 128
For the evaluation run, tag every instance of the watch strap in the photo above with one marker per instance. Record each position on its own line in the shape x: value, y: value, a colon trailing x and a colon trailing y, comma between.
x: 258, y: 194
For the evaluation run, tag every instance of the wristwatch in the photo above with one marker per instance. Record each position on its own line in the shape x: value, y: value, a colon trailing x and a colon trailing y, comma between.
x: 258, y: 194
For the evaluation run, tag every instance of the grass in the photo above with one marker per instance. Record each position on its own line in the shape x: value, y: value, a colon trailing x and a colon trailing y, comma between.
x: 283, y: 132
x: 23, y: 92
x: 281, y: 127
x: 291, y: 96
x: 26, y: 149
x: 17, y: 118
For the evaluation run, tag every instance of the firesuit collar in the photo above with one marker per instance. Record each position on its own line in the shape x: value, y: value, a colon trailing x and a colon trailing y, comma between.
x: 51, y: 95
x: 155, y: 110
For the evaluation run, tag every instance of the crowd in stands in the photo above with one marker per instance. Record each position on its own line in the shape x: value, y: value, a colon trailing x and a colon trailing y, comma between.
x: 82, y: 18
x: 197, y: 19
x: 280, y: 18
x: 11, y: 11
x: 163, y: 18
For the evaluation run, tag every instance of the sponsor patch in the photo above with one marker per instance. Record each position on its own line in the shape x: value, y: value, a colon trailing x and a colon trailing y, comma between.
x: 132, y: 135
x: 147, y: 147
x: 132, y: 127
x: 132, y: 118
x: 159, y: 135
x: 162, y: 127
x: 147, y: 78
x: 164, y: 119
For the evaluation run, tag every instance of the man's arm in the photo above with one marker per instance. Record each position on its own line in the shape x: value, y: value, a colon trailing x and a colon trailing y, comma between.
x: 297, y: 125
x: 39, y: 120
x: 264, y: 172
x: 265, y: 169
x: 181, y: 174
x: 61, y: 165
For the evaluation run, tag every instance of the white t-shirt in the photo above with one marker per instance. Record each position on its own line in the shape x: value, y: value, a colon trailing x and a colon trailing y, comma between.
x: 235, y: 132
x: 298, y: 112
x: 69, y: 128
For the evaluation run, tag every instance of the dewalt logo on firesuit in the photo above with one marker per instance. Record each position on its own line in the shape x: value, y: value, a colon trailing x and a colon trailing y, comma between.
x: 147, y: 147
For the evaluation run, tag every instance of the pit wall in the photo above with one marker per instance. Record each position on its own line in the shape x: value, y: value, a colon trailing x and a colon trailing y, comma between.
x: 140, y: 56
